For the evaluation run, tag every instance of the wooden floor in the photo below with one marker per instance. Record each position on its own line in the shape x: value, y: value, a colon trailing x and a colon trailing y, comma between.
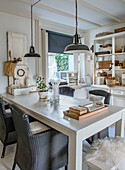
x: 7, y: 162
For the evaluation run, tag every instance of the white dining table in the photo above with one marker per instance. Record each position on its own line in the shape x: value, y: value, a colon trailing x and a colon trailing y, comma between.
x: 77, y: 130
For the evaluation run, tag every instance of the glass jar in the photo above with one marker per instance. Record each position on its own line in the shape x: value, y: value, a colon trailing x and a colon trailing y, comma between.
x: 55, y: 86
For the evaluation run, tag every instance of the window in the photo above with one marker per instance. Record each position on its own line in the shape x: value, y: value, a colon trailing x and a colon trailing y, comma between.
x: 59, y: 64
x: 54, y: 62
x: 57, y: 42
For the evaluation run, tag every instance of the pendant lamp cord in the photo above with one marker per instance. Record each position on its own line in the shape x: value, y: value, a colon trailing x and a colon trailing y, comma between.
x: 76, y: 17
x: 32, y: 20
x: 31, y: 25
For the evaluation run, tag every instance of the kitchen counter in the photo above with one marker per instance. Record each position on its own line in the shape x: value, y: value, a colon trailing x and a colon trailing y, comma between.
x: 112, y: 88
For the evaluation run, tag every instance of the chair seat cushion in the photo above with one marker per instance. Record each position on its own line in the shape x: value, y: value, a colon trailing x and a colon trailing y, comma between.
x: 101, y: 93
x: 110, y: 152
x: 37, y: 127
x: 8, y: 111
x: 96, y: 99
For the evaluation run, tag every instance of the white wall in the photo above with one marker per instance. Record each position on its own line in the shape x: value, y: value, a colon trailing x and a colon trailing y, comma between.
x: 12, y: 23
x: 90, y: 35
x: 19, y: 24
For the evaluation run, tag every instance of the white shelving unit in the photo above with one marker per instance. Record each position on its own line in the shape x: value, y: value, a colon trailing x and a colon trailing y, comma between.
x: 73, y: 78
x: 113, y: 39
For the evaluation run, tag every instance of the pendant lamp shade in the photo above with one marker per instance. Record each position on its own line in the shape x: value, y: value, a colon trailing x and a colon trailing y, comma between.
x: 76, y: 46
x: 32, y: 53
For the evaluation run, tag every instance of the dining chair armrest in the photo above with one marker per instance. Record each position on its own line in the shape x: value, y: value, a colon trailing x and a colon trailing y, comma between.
x: 49, y: 136
x: 40, y: 142
x: 7, y: 106
x: 8, y: 115
x: 40, y: 136
x: 9, y: 123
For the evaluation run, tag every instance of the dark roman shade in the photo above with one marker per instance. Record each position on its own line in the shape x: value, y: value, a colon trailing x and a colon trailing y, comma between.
x: 57, y: 42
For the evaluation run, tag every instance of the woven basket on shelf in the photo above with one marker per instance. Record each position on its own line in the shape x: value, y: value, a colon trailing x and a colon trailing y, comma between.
x: 110, y: 83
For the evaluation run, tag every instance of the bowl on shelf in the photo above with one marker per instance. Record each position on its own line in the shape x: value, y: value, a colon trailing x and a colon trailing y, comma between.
x: 111, y: 82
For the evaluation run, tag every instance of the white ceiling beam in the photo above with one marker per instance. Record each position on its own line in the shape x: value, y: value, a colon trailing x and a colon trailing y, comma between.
x: 61, y: 12
x: 55, y: 26
x: 99, y: 10
x: 47, y: 24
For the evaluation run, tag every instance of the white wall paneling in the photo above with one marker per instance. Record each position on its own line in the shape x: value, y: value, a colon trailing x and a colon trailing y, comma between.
x: 17, y: 24
x: 82, y: 63
x: 113, y: 56
x: 17, y: 46
x: 38, y: 46
x: 45, y: 55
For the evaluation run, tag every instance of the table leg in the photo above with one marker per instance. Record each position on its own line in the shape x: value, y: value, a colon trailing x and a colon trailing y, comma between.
x: 119, y: 127
x: 75, y: 153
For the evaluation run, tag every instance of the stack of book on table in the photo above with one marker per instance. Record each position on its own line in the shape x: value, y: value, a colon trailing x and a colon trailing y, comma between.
x: 80, y: 112
x: 77, y: 110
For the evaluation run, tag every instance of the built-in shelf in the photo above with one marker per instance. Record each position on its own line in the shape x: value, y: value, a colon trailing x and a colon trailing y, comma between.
x: 120, y: 69
x: 111, y: 69
x: 113, y: 39
x: 106, y: 55
x: 120, y: 34
x: 119, y: 54
x: 104, y: 69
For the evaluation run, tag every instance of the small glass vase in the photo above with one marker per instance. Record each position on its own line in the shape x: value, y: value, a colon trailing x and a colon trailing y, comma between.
x: 55, y: 86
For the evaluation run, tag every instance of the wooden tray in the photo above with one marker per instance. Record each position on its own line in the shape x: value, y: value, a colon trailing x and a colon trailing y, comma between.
x: 75, y: 116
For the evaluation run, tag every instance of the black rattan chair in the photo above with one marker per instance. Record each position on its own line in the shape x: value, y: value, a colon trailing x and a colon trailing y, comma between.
x: 101, y: 93
x: 7, y: 130
x: 66, y: 90
x: 47, y: 150
x: 104, y: 133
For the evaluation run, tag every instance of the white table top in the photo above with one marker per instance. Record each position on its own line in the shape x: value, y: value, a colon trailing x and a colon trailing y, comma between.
x: 54, y: 112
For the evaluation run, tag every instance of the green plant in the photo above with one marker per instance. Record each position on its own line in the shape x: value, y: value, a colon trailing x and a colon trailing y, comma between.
x: 40, y: 84
x: 62, y: 61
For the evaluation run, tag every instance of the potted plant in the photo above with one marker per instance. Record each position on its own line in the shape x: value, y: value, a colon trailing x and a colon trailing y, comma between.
x: 41, y: 88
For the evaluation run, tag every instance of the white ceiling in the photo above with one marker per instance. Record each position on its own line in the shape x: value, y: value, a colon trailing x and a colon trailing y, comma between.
x: 91, y: 13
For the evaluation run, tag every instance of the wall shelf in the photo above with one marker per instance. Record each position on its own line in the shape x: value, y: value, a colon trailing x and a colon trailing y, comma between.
x: 119, y: 54
x: 106, y: 55
x: 120, y: 34
x: 117, y: 40
x: 119, y: 69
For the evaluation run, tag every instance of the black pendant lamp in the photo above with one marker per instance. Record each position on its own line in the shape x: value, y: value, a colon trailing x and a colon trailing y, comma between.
x: 32, y: 53
x: 76, y: 46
